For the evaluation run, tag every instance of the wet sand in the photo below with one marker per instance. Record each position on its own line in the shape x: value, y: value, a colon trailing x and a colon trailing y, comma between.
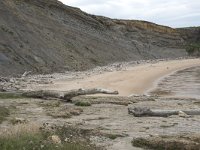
x: 183, y: 83
x: 134, y: 80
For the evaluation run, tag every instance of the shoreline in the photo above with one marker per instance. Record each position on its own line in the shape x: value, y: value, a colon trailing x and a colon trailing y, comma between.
x: 143, y: 76
x: 155, y: 84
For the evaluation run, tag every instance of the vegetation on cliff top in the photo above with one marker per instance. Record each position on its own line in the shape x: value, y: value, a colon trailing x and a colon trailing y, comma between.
x: 193, y: 49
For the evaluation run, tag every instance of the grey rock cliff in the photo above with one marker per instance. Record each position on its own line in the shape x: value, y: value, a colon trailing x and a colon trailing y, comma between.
x: 46, y: 36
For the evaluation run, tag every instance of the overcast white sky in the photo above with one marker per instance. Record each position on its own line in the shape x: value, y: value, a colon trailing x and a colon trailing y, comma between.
x: 174, y: 13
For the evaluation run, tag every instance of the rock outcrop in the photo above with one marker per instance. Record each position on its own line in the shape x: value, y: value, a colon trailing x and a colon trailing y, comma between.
x: 46, y: 36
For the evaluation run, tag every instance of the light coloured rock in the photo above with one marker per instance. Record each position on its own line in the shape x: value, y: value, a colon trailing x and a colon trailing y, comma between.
x: 66, y: 139
x: 55, y: 139
x: 182, y: 114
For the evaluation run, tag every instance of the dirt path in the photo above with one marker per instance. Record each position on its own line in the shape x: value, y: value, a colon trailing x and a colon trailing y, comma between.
x: 134, y: 80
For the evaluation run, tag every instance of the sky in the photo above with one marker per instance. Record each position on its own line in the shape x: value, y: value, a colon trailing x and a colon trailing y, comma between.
x: 173, y: 13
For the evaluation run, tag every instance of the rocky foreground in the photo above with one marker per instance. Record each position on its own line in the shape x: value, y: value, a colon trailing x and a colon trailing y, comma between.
x: 96, y: 122
x: 106, y: 122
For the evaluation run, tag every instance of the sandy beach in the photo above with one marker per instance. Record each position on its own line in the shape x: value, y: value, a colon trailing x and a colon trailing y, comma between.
x: 134, y: 80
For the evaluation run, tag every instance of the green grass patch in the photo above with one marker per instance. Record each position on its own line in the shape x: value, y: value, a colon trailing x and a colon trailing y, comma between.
x: 4, y: 112
x: 5, y: 95
x: 193, y: 48
x: 42, y: 141
x: 82, y: 103
x: 36, y: 142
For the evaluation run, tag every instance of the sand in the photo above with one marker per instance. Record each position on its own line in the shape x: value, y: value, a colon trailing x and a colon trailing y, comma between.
x: 134, y: 80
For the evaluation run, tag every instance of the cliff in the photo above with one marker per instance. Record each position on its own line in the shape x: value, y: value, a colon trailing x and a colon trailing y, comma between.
x: 46, y: 36
x: 191, y: 36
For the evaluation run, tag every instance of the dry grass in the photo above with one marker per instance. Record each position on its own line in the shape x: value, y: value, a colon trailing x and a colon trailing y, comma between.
x: 64, y: 112
x: 20, y: 129
x: 50, y: 104
x: 33, y: 136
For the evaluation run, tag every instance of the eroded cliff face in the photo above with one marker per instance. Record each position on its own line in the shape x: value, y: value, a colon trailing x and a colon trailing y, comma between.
x: 131, y: 24
x: 191, y: 36
x: 146, y: 32
x: 46, y: 36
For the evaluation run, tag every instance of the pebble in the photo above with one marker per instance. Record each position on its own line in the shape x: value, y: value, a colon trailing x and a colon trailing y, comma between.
x: 56, y: 139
